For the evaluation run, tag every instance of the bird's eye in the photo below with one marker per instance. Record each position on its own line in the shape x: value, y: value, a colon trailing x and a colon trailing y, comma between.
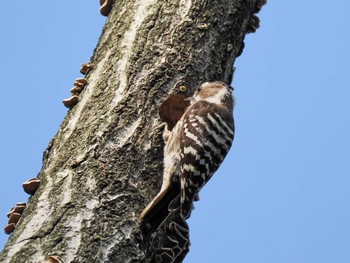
x: 199, y: 88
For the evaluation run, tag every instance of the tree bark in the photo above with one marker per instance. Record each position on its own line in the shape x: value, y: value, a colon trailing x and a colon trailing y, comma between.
x: 105, y: 164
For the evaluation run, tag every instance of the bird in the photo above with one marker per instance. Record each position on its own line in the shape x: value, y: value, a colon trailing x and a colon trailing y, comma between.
x: 193, y: 151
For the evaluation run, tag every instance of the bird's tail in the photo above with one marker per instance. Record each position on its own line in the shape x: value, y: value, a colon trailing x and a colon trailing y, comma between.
x: 159, y: 209
x: 187, y: 197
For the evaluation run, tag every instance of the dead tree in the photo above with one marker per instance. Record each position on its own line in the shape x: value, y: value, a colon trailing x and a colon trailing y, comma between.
x: 105, y: 162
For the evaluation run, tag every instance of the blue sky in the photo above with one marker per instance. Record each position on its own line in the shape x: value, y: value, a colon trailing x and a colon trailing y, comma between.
x: 282, y: 194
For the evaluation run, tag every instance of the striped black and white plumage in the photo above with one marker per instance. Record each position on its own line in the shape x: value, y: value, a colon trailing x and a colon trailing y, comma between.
x: 194, y: 150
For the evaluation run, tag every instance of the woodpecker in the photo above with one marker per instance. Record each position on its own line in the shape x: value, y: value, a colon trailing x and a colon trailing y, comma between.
x: 194, y: 149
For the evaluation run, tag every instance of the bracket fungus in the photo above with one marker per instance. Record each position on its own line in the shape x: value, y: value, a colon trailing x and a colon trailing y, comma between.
x: 9, y: 228
x: 81, y: 80
x: 106, y: 7
x: 254, y: 24
x: 76, y: 90
x: 19, y: 208
x: 31, y: 186
x: 14, y: 218
x: 71, y: 102
x: 78, y: 84
x: 11, y: 211
x: 86, y: 67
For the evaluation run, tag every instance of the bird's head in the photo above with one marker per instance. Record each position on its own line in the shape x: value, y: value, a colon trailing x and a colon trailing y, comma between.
x: 214, y: 92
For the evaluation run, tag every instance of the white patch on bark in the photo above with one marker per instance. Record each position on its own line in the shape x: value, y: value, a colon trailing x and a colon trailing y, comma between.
x: 127, y: 230
x: 14, y: 249
x: 38, y: 256
x: 125, y: 134
x: 43, y: 215
x: 124, y: 232
x: 90, y: 183
x: 75, y: 224
x: 86, y: 96
x: 40, y: 216
x: 66, y: 193
x: 91, y: 204
x: 35, y: 222
x: 184, y: 8
x: 115, y: 239
x: 147, y: 144
x: 129, y: 131
x: 73, y: 237
x: 144, y: 9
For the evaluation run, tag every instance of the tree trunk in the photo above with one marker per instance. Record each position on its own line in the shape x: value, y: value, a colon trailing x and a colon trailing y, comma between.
x: 105, y: 164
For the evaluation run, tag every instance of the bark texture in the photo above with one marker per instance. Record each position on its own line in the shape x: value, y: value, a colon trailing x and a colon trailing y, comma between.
x: 106, y: 161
